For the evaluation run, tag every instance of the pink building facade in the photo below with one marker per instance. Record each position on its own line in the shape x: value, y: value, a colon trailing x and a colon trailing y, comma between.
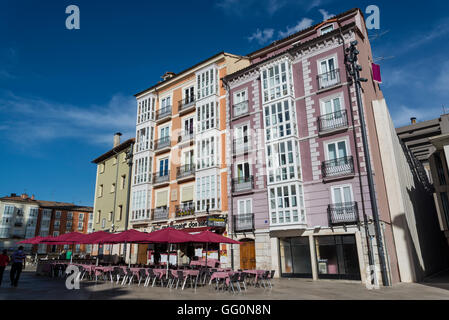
x: 300, y: 199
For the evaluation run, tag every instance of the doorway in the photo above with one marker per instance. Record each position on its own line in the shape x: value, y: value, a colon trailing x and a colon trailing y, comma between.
x: 142, y: 254
x: 247, y: 254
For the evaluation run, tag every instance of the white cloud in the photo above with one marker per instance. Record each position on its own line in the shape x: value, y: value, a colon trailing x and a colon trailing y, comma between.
x: 326, y: 15
x: 45, y: 121
x: 262, y: 36
x: 442, y: 80
x: 301, y: 25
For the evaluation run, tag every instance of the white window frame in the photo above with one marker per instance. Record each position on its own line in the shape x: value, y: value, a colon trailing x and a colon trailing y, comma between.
x: 325, y: 27
x: 336, y: 141
x: 299, y: 208
x: 272, y: 131
x: 245, y: 200
x: 269, y: 89
x: 341, y: 187
x: 331, y: 98
x: 206, y: 82
x: 327, y: 58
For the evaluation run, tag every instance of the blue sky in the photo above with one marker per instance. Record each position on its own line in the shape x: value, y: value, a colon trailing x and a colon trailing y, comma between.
x: 63, y: 93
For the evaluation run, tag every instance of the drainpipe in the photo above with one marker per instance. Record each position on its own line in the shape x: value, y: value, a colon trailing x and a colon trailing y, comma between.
x: 369, y: 239
x: 129, y: 161
x: 225, y: 83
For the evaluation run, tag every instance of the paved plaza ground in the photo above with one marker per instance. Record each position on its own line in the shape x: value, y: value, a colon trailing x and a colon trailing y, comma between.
x: 33, y: 287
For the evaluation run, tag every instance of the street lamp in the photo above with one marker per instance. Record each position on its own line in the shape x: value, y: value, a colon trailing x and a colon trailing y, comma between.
x: 353, y: 70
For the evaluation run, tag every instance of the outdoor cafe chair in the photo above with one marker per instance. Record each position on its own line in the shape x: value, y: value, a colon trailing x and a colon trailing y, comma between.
x: 142, y: 275
x: 150, y: 275
x: 171, y: 279
x: 242, y: 279
x: 264, y: 278
x: 119, y: 273
x: 270, y: 277
x: 129, y: 275
x: 234, y: 279
x: 180, y: 278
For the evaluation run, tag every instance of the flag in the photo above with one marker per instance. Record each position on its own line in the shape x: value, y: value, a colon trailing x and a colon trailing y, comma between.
x: 376, y: 73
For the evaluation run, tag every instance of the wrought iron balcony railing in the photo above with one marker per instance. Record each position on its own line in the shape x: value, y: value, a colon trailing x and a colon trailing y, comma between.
x: 337, y: 167
x: 183, y: 210
x: 159, y: 213
x: 343, y: 213
x: 243, y: 222
x: 163, y: 113
x: 240, y: 109
x: 186, y: 103
x: 161, y: 177
x: 185, y: 171
x: 162, y: 143
x: 242, y: 183
x: 333, y: 121
x: 328, y: 79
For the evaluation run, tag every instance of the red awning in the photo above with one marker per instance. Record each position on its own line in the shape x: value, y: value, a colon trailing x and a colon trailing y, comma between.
x: 169, y: 235
x: 128, y: 236
x: 212, y: 237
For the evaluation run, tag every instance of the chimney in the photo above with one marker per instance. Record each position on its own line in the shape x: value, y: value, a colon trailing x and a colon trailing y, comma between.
x: 32, y: 197
x: 168, y: 75
x: 24, y: 196
x: 413, y: 120
x: 117, y: 139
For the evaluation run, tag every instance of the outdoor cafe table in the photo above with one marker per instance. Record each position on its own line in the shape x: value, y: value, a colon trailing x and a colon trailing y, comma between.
x: 258, y: 273
x: 222, y: 275
x: 160, y: 272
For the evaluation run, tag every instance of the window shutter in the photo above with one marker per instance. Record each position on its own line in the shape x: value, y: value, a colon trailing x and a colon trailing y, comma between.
x: 187, y: 194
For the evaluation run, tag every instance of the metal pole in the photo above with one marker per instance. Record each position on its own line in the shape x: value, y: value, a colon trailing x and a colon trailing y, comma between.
x: 355, y: 73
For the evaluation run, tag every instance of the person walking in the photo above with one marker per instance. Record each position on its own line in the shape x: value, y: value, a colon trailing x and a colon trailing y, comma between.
x: 18, y: 263
x: 4, y: 260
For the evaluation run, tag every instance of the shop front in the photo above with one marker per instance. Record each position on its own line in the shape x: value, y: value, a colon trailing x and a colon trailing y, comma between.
x: 333, y: 256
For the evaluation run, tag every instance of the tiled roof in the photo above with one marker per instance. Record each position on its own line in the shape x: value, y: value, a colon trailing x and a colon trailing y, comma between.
x: 48, y: 204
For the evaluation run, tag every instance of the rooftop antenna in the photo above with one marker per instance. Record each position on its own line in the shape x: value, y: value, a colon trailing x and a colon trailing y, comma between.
x: 377, y: 59
x: 377, y: 35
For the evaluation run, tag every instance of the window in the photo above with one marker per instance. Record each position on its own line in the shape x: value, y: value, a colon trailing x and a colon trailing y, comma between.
x: 328, y: 73
x: 276, y: 81
x: 206, y: 152
x: 287, y: 204
x: 113, y: 188
x: 55, y: 233
x: 280, y: 120
x: 283, y: 161
x: 188, y: 126
x: 207, y: 116
x: 119, y: 212
x: 81, y: 216
x: 163, y: 167
x: 243, y: 172
x: 103, y: 223
x: 336, y: 150
x: 139, y: 205
x: 69, y: 215
x: 34, y: 212
x: 207, y: 193
x: 4, y: 232
x: 56, y: 224
x: 98, y: 216
x: 141, y: 169
x: 245, y: 206
x: 101, y: 167
x: 9, y: 211
x: 68, y: 225
x: 189, y: 95
x: 331, y: 106
x: 122, y: 182
x: 145, y: 110
x: 58, y: 215
x: 110, y: 216
x: 241, y: 135
x: 165, y: 103
x: 240, y: 103
x: 144, y: 140
x: 341, y: 195
x: 327, y: 29
x: 100, y: 190
x: 207, y: 83
x: 80, y: 225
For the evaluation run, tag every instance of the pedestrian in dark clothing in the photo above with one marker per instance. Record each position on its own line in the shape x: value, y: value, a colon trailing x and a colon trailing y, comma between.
x: 18, y: 262
x: 4, y: 260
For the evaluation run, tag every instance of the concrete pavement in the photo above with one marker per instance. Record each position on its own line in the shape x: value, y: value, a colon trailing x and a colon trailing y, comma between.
x: 32, y: 286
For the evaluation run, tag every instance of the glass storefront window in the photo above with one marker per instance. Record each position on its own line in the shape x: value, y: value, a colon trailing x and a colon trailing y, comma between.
x: 337, y: 257
x: 295, y: 257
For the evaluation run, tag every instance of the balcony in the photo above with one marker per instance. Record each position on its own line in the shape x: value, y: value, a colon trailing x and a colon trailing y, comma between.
x: 243, y: 222
x: 186, y: 105
x: 240, y: 109
x: 185, y: 172
x: 332, y: 122
x: 329, y: 79
x: 186, y: 136
x: 162, y: 145
x: 343, y: 213
x: 183, y: 210
x: 163, y: 114
x: 159, y: 214
x: 337, y: 168
x: 161, y: 178
x: 243, y: 184
x: 242, y: 145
